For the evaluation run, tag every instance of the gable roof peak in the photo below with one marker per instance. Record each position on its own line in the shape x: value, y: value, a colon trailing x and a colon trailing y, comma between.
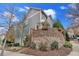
x: 36, y: 8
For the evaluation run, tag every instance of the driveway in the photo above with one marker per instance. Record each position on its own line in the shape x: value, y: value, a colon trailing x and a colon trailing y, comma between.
x: 75, y: 49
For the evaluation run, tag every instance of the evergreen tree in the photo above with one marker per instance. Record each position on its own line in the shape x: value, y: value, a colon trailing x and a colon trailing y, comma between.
x: 58, y: 24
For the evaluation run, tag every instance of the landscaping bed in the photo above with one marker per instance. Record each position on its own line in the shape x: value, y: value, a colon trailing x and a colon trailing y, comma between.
x: 56, y: 52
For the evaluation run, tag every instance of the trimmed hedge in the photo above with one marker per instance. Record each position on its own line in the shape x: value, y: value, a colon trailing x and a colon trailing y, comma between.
x: 16, y: 44
x: 43, y: 47
x: 67, y: 44
x: 54, y: 45
x: 33, y: 45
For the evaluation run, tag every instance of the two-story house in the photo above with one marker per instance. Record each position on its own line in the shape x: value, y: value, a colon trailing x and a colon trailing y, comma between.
x: 33, y: 18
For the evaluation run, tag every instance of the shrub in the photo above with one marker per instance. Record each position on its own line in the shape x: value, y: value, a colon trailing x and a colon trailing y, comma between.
x: 57, y: 24
x: 33, y: 45
x: 67, y: 44
x: 27, y: 41
x: 43, y: 47
x: 67, y: 36
x: 16, y: 44
x: 8, y: 43
x: 54, y: 45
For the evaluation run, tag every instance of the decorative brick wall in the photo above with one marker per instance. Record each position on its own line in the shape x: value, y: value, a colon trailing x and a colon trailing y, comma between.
x: 47, y: 37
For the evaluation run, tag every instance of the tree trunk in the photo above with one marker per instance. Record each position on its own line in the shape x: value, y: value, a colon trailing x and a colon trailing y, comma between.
x: 3, y: 47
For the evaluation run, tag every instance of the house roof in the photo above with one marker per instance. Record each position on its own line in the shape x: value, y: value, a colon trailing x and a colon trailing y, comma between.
x: 39, y: 9
x: 74, y: 29
x: 31, y: 8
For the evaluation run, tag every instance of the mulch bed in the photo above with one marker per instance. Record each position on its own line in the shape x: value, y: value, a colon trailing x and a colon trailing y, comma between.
x: 60, y: 52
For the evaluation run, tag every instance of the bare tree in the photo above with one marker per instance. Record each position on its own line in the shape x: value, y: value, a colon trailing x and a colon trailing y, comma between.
x: 23, y: 26
x: 73, y: 14
x: 9, y: 17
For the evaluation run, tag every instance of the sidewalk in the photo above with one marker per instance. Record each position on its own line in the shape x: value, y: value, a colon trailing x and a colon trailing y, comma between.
x: 75, y: 49
x: 9, y: 53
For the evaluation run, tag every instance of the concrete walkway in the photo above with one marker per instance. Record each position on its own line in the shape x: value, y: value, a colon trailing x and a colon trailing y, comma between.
x: 75, y: 49
x: 10, y: 53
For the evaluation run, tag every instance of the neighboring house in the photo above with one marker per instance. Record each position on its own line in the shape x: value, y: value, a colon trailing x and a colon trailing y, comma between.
x: 70, y: 32
x: 76, y: 30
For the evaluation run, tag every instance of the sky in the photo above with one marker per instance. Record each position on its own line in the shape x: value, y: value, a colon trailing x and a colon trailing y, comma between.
x: 58, y: 11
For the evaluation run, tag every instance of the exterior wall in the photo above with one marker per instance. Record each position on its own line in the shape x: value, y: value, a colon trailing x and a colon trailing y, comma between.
x: 33, y: 21
x: 31, y: 12
x: 43, y: 17
x: 36, y: 19
x: 17, y: 34
x: 50, y: 21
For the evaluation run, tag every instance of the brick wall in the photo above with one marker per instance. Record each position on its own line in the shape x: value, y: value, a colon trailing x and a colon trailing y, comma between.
x: 47, y: 37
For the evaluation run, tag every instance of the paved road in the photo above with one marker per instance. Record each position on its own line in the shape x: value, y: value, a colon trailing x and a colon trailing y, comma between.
x: 75, y: 49
x: 9, y: 53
